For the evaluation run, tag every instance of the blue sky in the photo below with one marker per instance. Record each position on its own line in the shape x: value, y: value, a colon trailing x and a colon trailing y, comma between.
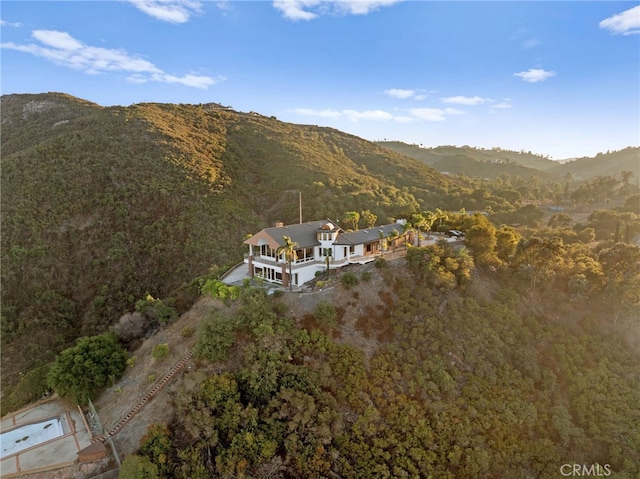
x: 555, y: 78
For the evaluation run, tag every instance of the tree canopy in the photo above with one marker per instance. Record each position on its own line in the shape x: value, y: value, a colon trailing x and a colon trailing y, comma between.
x: 80, y: 371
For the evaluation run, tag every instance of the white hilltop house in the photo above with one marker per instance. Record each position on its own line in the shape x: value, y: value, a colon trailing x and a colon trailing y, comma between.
x: 320, y: 245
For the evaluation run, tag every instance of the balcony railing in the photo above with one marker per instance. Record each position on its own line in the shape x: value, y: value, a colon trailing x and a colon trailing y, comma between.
x: 268, y: 260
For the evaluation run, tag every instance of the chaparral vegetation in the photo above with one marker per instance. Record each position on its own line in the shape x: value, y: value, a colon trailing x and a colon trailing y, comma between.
x: 505, y: 354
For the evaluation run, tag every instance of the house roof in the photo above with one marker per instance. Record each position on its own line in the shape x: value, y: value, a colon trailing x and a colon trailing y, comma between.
x: 304, y: 234
x: 367, y: 235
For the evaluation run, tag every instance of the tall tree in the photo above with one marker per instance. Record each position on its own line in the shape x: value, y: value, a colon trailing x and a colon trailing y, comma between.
x: 79, y: 372
x: 368, y: 218
x: 289, y: 251
x: 352, y: 218
x: 429, y: 218
x: 418, y: 222
x: 441, y: 215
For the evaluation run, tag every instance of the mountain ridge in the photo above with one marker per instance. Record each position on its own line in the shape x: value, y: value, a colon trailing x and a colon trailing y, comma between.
x: 491, y: 163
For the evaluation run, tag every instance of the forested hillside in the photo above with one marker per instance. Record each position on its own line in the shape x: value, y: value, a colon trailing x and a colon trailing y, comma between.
x: 464, y: 373
x: 507, y: 357
x: 495, y: 162
x: 101, y: 206
x: 611, y: 163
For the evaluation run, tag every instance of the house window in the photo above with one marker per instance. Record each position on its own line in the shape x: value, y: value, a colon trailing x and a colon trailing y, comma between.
x: 265, y: 250
x: 352, y: 249
x: 325, y: 252
x: 303, y: 255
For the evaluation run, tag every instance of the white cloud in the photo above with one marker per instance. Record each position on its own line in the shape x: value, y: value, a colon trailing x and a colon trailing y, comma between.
x: 399, y: 93
x: 503, y: 105
x: 415, y: 114
x: 362, y: 7
x: 351, y: 115
x: 62, y: 49
x: 172, y: 11
x: 534, y: 75
x: 55, y: 39
x: 428, y: 114
x: 625, y: 23
x: 464, y: 100
x: 296, y: 9
x: 4, y: 23
x: 310, y: 9
x: 375, y: 115
x: 191, y: 80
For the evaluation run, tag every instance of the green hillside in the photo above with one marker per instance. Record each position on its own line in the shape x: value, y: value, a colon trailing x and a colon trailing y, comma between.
x: 494, y: 163
x: 603, y: 164
x: 421, y: 367
x: 475, y: 162
x: 101, y: 206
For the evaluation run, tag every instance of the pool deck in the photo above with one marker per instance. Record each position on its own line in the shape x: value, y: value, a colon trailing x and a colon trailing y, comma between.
x: 53, y: 454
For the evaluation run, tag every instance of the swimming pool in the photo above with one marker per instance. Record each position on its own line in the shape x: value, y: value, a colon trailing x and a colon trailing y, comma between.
x: 24, y: 437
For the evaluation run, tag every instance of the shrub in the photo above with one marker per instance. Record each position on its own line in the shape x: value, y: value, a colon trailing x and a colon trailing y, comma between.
x: 215, y: 338
x: 380, y: 263
x: 160, y: 351
x: 349, y: 280
x: 138, y: 467
x: 220, y: 290
x: 187, y: 331
x: 156, y: 445
x: 131, y: 326
x: 326, y: 314
x: 366, y: 276
x: 321, y: 284
x: 32, y: 386
x: 156, y: 310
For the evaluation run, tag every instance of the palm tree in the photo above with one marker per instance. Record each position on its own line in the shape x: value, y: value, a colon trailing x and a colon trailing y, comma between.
x: 289, y: 250
x: 441, y: 215
x: 406, y: 227
x: 393, y: 236
x: 417, y: 220
x: 383, y: 241
x: 429, y: 219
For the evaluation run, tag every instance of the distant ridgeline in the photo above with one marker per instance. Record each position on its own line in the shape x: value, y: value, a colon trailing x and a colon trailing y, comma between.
x: 494, y: 163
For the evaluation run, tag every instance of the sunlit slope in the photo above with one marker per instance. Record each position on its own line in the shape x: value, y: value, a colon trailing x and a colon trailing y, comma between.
x: 101, y: 205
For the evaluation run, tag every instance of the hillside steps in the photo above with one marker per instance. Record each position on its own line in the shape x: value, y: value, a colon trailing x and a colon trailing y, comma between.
x: 147, y: 397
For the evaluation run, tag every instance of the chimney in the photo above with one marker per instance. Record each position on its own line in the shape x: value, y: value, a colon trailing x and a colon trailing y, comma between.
x: 279, y: 224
